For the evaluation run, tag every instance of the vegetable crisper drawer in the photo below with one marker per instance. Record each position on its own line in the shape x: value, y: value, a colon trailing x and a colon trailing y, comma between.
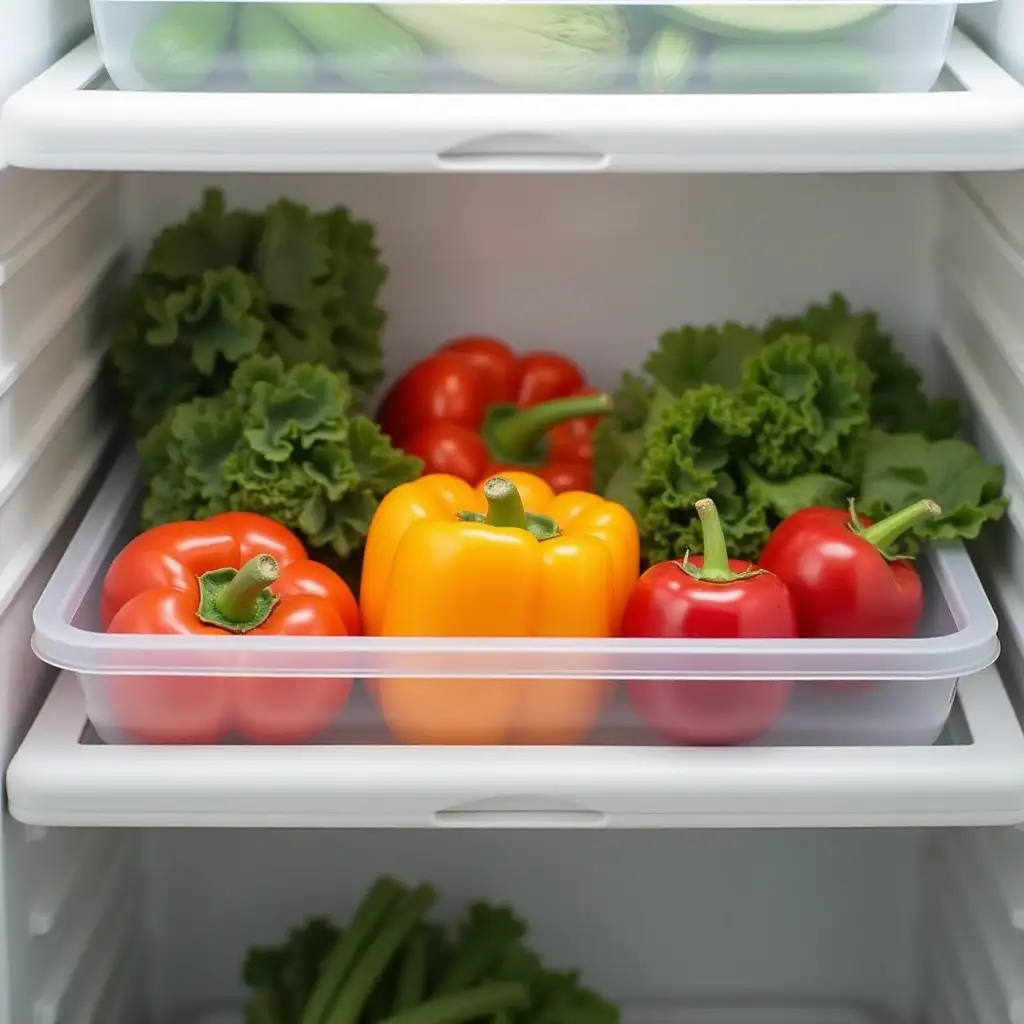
x: 472, y: 46
x: 189, y: 689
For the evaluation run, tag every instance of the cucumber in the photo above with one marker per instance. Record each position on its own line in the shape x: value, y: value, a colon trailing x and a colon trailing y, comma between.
x: 360, y: 45
x: 668, y: 61
x: 788, y: 68
x: 182, y: 45
x: 738, y: 21
x: 275, y: 57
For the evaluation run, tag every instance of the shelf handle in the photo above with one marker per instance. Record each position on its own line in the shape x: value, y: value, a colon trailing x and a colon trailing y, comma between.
x: 522, y: 153
x: 519, y: 812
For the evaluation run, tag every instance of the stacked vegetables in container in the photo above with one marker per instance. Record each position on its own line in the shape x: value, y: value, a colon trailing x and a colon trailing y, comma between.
x: 771, y: 484
x: 518, y: 46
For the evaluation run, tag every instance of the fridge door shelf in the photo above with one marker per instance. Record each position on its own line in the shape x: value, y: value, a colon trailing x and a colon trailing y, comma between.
x: 71, y: 118
x: 63, y: 776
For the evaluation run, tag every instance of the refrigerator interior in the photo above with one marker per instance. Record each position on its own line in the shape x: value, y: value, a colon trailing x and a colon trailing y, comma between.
x: 119, y: 925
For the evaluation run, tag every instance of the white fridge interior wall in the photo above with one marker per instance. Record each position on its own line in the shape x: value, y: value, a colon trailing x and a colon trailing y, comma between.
x: 599, y: 266
x: 790, y: 916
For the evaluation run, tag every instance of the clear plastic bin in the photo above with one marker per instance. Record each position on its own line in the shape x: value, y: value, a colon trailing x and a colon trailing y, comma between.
x: 544, y: 691
x: 473, y: 46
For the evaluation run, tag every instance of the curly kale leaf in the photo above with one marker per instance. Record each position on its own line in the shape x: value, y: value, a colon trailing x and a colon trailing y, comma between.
x: 894, y: 388
x: 225, y: 285
x: 692, y: 356
x: 689, y: 455
x: 902, y: 469
x: 283, y: 442
x: 812, y: 415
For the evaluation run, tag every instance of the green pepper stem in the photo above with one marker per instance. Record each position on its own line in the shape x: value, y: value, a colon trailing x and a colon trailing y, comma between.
x: 504, y: 504
x: 515, y: 436
x: 885, y: 531
x: 715, y: 564
x: 239, y: 600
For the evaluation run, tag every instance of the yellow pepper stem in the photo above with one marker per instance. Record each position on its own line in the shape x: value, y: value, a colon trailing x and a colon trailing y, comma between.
x: 505, y: 510
x: 504, y: 504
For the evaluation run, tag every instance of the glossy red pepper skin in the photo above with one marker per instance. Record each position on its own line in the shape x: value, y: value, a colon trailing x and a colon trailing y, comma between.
x: 667, y: 602
x: 841, y: 583
x: 153, y: 587
x: 442, y: 410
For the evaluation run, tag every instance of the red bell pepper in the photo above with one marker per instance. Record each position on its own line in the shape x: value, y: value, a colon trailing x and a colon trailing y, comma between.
x: 233, y: 574
x: 474, y: 409
x: 842, y: 582
x: 713, y: 597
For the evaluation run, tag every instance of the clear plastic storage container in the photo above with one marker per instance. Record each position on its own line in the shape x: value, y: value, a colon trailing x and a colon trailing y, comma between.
x: 473, y: 46
x: 188, y: 689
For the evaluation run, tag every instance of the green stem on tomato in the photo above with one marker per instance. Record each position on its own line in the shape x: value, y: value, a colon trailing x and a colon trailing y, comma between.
x: 885, y: 531
x: 517, y: 435
x: 473, y: 1004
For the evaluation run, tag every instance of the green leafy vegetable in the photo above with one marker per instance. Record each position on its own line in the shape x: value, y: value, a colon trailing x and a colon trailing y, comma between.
x: 811, y: 410
x: 389, y: 966
x: 901, y: 469
x: 285, y: 443
x: 227, y: 284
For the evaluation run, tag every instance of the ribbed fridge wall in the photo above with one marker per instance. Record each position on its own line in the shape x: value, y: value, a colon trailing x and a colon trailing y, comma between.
x: 70, y: 939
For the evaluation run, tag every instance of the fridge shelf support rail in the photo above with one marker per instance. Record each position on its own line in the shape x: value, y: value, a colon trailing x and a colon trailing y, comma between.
x: 69, y: 118
x: 59, y: 779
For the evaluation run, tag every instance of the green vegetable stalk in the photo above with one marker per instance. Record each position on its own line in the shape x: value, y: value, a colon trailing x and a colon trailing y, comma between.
x: 390, y: 967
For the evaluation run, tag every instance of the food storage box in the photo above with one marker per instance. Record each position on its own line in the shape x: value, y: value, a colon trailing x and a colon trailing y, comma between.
x: 473, y: 46
x: 204, y: 689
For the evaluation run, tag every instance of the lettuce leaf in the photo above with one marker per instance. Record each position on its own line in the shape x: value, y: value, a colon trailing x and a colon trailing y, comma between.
x: 901, y: 469
x: 224, y: 285
x: 283, y: 442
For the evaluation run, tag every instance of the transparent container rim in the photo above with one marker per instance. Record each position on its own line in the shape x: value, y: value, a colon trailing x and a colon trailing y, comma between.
x: 972, y: 647
x: 599, y: 3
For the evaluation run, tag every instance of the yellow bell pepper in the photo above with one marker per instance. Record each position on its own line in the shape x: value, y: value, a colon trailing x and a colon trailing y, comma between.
x: 445, y: 560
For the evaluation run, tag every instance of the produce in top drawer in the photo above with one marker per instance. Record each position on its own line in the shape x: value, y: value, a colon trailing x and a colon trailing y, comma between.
x: 767, y: 19
x: 713, y: 597
x: 557, y: 47
x: 792, y: 68
x: 238, y: 574
x: 668, y: 62
x: 275, y: 57
x: 837, y: 568
x: 364, y: 48
x: 474, y: 409
x: 563, y: 569
x: 182, y: 44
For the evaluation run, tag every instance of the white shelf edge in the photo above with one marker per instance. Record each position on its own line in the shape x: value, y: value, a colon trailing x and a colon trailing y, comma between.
x: 58, y: 122
x: 56, y: 780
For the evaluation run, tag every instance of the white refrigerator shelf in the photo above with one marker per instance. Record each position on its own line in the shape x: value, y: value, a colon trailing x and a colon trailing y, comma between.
x: 71, y: 118
x: 62, y: 776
